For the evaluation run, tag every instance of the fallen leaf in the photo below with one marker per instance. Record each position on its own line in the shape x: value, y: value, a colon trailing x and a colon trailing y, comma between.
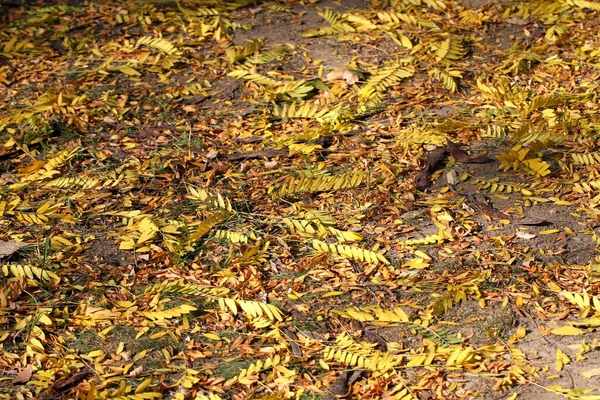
x: 24, y: 375
x: 7, y: 248
x: 525, y: 235
x: 341, y: 386
x: 72, y: 380
x: 452, y: 177
x: 591, y: 373
x: 128, y: 70
x: 350, y: 76
x: 431, y: 163
x: 567, y: 330
x: 136, y: 372
x: 462, y: 157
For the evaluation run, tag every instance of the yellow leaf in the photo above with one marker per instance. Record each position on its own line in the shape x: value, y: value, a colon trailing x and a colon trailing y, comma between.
x: 36, y: 345
x: 562, y: 203
x: 464, y: 356
x: 519, y: 301
x: 549, y: 231
x: 248, y: 380
x: 212, y: 336
x: 554, y: 287
x: 158, y: 335
x: 35, y: 165
x: 406, y: 42
x: 47, y: 207
x: 419, y: 253
x: 140, y: 355
x: 128, y: 70
x: 591, y: 373
x: 128, y: 244
x: 596, y: 303
x: 445, y: 217
x: 332, y: 294
x: 589, y: 322
x: 417, y: 360
x: 567, y: 330
x: 561, y: 359
x: 106, y: 331
x: 44, y: 319
x: 416, y: 263
x: 452, y: 359
x: 10, y: 44
x: 142, y: 332
x: 186, y: 308
x: 143, y: 385
x: 170, y: 229
x: 96, y: 353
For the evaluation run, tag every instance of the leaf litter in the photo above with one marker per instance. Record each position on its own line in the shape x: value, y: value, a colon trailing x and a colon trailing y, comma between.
x: 299, y: 199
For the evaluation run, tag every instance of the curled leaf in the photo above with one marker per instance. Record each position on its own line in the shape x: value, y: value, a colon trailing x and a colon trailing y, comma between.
x: 349, y: 75
x: 462, y: 157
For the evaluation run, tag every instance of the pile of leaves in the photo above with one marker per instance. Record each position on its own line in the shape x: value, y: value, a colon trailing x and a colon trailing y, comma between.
x: 246, y: 199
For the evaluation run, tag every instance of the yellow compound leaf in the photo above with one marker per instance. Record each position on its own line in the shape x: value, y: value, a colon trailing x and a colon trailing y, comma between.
x: 350, y: 252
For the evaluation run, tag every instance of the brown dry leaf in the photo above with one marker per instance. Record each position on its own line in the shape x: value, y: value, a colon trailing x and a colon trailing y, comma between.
x: 7, y: 248
x: 431, y: 163
x: 72, y: 380
x: 341, y: 386
x: 24, y: 375
x: 462, y: 157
